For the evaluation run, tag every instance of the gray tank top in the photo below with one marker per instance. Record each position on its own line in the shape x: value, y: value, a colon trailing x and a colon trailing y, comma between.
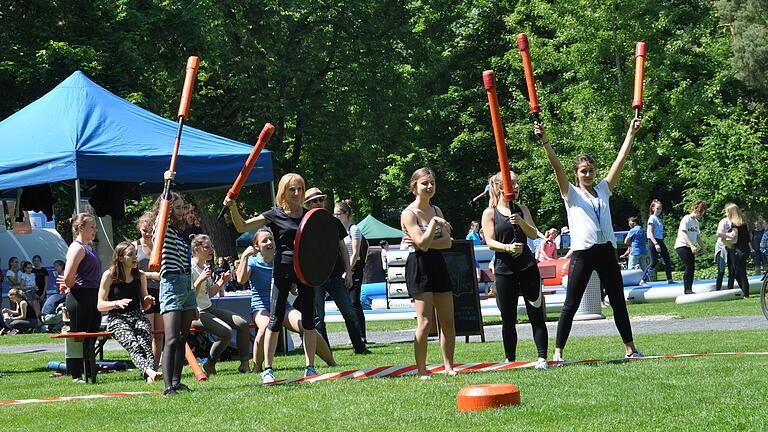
x: 144, y: 266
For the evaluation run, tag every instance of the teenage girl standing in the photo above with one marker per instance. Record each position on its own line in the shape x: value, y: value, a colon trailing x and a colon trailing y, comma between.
x: 592, y: 240
x: 507, y: 227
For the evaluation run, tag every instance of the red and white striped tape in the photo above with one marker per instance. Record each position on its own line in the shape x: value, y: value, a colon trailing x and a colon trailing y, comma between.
x: 66, y: 398
x: 395, y: 371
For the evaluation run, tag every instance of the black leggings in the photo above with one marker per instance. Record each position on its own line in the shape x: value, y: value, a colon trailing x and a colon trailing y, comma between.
x: 739, y: 260
x: 689, y: 264
x: 355, y: 293
x: 83, y: 317
x: 176, y: 324
x: 508, y: 288
x: 664, y: 253
x: 284, y: 277
x: 602, y: 259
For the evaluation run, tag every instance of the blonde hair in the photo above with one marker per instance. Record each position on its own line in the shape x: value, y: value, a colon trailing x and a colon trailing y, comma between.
x: 197, y: 240
x: 18, y: 293
x: 497, y: 188
x: 419, y: 173
x: 733, y: 213
x: 145, y: 220
x: 282, y: 188
x: 261, y: 231
x: 79, y: 220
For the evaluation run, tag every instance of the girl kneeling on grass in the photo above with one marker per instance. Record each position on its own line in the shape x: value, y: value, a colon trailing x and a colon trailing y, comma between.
x: 218, y: 322
x: 256, y: 267
x: 123, y: 294
x: 23, y: 318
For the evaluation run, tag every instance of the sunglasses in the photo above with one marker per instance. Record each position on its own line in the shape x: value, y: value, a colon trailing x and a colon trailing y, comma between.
x: 316, y: 201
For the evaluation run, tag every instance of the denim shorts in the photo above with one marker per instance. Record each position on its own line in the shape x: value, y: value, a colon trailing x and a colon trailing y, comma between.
x: 176, y: 293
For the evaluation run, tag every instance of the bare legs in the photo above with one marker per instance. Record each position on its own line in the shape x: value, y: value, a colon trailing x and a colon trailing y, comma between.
x: 427, y: 306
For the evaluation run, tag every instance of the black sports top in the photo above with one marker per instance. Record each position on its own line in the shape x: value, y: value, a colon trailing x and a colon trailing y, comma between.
x: 131, y: 290
x: 284, y: 229
x: 508, y: 233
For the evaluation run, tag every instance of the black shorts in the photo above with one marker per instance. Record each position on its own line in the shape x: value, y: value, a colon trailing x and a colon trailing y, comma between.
x: 155, y: 308
x: 427, y: 272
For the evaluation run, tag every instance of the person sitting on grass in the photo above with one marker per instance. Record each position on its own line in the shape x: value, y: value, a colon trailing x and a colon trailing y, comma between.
x: 23, y: 318
x: 256, y: 267
x: 123, y: 294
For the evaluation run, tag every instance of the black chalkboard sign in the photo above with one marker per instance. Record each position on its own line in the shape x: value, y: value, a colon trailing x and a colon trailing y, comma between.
x: 460, y: 260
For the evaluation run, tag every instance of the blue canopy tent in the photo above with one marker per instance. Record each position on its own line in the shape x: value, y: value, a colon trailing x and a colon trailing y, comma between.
x: 79, y: 130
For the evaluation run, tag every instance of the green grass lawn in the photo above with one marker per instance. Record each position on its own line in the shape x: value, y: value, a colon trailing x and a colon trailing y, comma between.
x: 702, y: 393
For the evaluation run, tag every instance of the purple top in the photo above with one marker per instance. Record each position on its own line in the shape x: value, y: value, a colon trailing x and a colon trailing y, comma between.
x: 88, y: 274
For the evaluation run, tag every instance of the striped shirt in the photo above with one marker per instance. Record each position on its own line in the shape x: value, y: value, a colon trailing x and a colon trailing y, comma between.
x: 176, y: 254
x: 353, y: 233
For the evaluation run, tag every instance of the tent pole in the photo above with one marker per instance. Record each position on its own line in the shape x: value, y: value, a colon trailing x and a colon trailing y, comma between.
x: 272, y: 191
x: 77, y: 195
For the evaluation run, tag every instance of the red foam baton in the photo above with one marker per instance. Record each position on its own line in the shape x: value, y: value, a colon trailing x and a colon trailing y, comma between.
x: 165, y: 205
x: 530, y: 80
x: 264, y: 137
x: 637, y: 101
x: 489, y: 80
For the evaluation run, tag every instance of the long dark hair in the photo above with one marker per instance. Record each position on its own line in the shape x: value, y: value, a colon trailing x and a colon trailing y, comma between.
x: 176, y: 223
x: 115, y: 269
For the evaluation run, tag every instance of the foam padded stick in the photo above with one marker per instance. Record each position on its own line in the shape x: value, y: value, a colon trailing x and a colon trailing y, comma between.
x: 489, y: 80
x: 530, y: 80
x: 637, y: 100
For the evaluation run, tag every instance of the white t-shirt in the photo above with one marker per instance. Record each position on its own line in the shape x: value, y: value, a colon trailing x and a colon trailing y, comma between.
x: 589, y: 218
x: 723, y: 227
x: 29, y: 282
x: 689, y: 225
x: 203, y: 301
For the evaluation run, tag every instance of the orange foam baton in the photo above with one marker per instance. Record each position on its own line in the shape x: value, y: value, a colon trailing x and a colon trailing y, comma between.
x: 165, y: 205
x: 193, y: 364
x: 489, y: 80
x: 530, y: 81
x: 234, y: 191
x: 637, y: 101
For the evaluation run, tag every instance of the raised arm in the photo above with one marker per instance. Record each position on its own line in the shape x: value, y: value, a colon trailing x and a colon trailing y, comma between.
x: 527, y: 224
x: 243, y: 272
x: 242, y: 225
x: 615, y: 173
x: 560, y: 174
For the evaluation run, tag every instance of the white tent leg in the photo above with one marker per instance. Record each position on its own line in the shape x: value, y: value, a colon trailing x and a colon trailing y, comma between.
x: 77, y: 195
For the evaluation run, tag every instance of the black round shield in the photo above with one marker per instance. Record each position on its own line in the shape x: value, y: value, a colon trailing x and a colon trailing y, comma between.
x: 316, y: 247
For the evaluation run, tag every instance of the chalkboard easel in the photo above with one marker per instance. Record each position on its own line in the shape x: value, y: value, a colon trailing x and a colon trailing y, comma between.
x: 460, y: 260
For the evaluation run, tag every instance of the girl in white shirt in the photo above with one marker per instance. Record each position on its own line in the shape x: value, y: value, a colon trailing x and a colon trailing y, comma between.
x: 687, y: 235
x: 592, y: 240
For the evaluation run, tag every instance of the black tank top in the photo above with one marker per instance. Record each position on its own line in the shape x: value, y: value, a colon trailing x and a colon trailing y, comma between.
x: 508, y: 233
x: 742, y: 241
x: 31, y: 315
x: 127, y: 290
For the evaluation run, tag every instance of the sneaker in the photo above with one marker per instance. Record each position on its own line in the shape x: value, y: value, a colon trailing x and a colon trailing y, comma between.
x: 310, y: 372
x: 170, y: 391
x: 635, y: 354
x: 541, y: 364
x: 267, y: 377
x: 670, y: 281
x: 643, y: 283
x: 181, y: 387
x: 557, y: 358
x: 364, y: 351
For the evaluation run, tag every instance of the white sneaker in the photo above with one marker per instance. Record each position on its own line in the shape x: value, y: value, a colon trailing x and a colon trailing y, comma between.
x: 643, y: 283
x: 541, y: 364
x: 557, y: 357
x: 267, y: 377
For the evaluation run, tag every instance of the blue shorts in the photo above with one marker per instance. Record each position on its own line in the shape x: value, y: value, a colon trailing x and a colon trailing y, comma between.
x: 176, y: 293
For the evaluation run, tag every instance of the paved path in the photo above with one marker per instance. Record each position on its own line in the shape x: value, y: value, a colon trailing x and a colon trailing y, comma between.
x: 605, y: 327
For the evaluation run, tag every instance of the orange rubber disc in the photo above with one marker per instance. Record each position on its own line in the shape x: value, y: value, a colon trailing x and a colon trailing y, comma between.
x: 484, y: 396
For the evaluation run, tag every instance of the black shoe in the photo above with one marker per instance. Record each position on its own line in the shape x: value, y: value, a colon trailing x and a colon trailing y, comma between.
x: 687, y: 292
x: 364, y: 351
x: 181, y: 387
x: 170, y: 391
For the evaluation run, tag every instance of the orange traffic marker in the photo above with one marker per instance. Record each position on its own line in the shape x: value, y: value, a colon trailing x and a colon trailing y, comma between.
x: 484, y: 396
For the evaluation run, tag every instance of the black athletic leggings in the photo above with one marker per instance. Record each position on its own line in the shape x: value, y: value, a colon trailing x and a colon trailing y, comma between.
x: 284, y: 277
x: 355, y: 293
x: 526, y: 283
x: 739, y: 260
x: 689, y: 264
x: 664, y: 253
x: 176, y: 324
x: 602, y: 259
x: 83, y: 317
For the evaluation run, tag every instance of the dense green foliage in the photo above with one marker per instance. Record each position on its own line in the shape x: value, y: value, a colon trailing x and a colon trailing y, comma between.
x: 362, y: 93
